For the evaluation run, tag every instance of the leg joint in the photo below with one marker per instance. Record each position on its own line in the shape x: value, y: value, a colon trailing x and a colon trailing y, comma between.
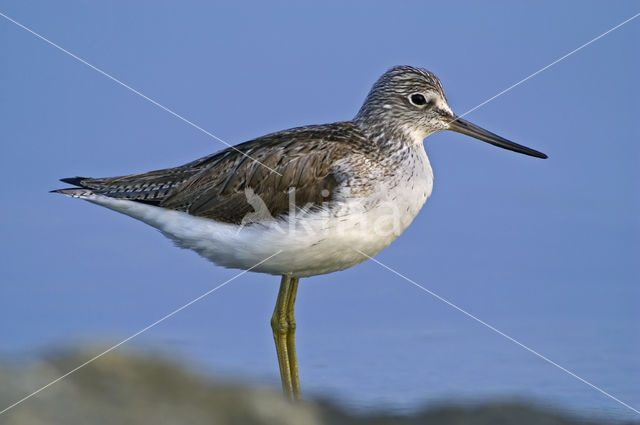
x: 281, y: 325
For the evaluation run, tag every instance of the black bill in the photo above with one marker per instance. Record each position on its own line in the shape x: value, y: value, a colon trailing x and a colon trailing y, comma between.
x: 465, y: 127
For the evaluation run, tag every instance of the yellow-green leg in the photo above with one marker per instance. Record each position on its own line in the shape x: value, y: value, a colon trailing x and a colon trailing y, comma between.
x: 284, y: 326
x: 291, y: 340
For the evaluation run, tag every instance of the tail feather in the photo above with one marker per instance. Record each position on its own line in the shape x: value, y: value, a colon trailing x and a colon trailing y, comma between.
x: 150, y: 188
x: 76, y: 181
x: 76, y: 192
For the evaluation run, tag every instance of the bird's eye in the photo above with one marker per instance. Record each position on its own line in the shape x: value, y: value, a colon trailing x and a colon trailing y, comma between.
x: 418, y: 99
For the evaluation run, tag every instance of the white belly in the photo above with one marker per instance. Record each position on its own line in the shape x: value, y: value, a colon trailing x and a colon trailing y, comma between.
x: 306, y: 244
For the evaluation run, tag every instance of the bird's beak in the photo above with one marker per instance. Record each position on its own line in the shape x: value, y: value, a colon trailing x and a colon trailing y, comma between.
x: 465, y: 127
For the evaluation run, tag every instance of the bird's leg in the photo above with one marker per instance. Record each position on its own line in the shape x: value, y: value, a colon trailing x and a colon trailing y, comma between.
x: 291, y: 340
x: 283, y: 327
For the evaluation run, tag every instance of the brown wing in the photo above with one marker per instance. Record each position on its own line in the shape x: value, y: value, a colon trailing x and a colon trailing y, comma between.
x: 294, y: 167
x: 224, y: 186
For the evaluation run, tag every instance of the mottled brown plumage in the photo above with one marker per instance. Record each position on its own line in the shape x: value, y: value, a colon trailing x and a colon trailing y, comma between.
x: 301, y: 159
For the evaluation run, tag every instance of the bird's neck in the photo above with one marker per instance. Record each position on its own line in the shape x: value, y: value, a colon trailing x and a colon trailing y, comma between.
x: 389, y: 133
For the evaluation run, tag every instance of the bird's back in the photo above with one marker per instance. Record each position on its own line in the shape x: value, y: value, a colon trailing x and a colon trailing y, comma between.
x: 301, y: 159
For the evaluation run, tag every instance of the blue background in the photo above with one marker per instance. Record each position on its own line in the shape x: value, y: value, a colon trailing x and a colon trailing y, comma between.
x: 546, y: 251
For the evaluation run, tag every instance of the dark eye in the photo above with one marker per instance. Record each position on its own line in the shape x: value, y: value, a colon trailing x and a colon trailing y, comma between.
x: 418, y: 99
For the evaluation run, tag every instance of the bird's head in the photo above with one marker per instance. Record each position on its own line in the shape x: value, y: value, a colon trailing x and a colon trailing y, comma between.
x: 411, y: 101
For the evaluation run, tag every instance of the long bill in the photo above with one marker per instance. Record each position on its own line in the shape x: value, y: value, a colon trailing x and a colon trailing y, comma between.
x: 465, y: 127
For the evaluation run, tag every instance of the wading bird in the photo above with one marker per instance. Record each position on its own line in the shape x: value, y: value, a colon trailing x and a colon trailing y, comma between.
x: 304, y: 201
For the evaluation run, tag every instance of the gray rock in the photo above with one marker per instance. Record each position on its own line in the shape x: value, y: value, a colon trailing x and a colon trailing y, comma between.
x: 133, y: 389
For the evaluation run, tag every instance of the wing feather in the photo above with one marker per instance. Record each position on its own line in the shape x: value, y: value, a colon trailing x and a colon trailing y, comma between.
x: 219, y: 186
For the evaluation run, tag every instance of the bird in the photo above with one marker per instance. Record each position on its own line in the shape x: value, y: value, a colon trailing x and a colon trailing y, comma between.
x: 300, y: 202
